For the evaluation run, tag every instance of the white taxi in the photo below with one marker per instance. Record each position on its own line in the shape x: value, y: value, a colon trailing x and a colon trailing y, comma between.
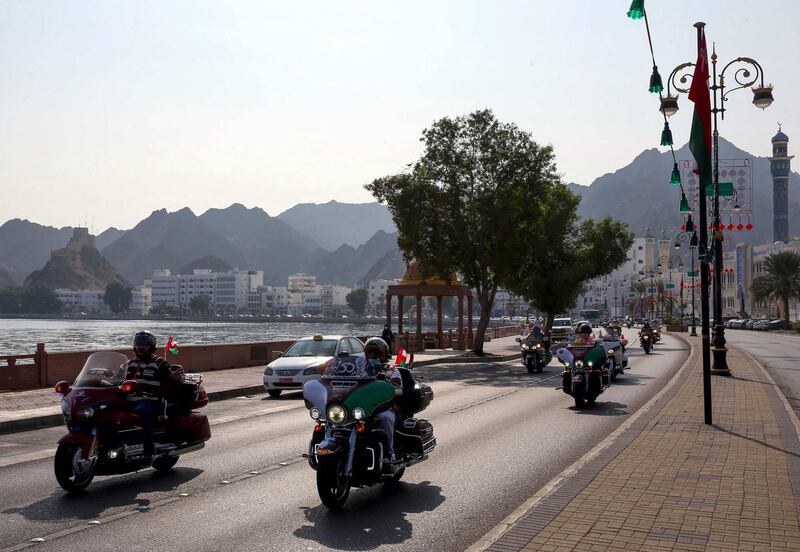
x: 305, y: 360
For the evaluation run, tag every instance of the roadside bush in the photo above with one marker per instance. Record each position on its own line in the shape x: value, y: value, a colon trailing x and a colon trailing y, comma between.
x: 797, y: 326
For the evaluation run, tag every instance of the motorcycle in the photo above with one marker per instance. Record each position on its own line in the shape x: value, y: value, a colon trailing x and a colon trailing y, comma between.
x: 104, y: 436
x: 647, y: 342
x: 535, y: 353
x: 585, y: 374
x: 348, y: 448
x: 615, y: 353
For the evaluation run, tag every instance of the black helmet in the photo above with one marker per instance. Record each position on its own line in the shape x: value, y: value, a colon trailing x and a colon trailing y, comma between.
x: 145, y: 339
x: 584, y: 329
x: 376, y: 343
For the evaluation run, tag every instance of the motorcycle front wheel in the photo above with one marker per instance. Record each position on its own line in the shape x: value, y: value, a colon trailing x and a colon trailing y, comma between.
x: 70, y: 474
x: 529, y: 365
x: 164, y: 463
x: 578, y: 395
x: 333, y: 489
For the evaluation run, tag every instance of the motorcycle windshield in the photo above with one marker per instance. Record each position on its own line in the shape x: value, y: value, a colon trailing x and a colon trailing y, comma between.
x: 102, y: 369
x: 348, y: 367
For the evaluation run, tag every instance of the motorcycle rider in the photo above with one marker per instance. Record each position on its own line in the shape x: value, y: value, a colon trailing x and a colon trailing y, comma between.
x: 585, y: 333
x: 377, y: 353
x: 155, y: 377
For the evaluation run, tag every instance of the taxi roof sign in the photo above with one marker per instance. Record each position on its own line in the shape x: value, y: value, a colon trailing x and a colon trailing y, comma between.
x: 317, y: 337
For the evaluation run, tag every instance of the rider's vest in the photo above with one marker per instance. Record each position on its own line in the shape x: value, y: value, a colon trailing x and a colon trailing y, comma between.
x: 150, y: 375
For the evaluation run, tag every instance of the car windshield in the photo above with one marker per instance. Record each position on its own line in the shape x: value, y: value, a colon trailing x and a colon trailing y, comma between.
x: 103, y: 369
x: 561, y: 323
x: 348, y: 367
x: 311, y: 348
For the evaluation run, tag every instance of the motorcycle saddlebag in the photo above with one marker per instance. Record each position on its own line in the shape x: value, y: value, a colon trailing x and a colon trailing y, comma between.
x: 183, y: 397
x: 416, y: 436
x: 417, y: 395
x: 194, y: 427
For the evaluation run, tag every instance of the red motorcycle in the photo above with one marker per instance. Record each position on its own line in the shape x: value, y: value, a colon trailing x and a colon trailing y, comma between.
x: 104, y: 435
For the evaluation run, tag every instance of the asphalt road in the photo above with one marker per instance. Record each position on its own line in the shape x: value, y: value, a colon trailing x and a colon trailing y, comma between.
x: 779, y: 353
x: 502, y: 434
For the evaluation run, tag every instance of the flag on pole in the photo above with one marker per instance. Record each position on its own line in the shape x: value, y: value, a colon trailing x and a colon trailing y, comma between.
x: 700, y: 137
x: 172, y: 347
x: 400, y: 357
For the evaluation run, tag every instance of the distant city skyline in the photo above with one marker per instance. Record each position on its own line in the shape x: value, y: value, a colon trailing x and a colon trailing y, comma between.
x: 114, y: 109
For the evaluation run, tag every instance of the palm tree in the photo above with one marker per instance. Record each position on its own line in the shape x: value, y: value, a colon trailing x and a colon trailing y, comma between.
x: 779, y: 281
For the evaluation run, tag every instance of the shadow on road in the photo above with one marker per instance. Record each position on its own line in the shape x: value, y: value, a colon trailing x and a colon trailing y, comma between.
x: 628, y: 379
x: 369, y: 521
x: 602, y: 408
x: 104, y: 494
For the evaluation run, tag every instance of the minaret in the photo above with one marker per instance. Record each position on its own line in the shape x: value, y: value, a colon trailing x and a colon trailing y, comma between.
x: 779, y: 167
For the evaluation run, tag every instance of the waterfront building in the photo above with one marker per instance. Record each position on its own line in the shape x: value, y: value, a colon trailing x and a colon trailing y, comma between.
x: 88, y: 301
x: 141, y: 300
x: 302, y: 283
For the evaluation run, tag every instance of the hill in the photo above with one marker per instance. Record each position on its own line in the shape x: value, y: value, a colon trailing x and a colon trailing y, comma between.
x: 349, y: 265
x: 334, y: 224
x: 210, y: 262
x: 79, y: 265
x: 640, y: 194
x: 25, y: 246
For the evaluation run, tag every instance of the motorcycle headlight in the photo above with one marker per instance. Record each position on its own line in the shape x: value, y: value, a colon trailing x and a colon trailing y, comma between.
x: 86, y: 413
x: 590, y: 364
x: 336, y: 414
x: 358, y: 413
x: 611, y: 351
x: 578, y: 364
x: 525, y: 346
x: 314, y: 413
x: 268, y: 371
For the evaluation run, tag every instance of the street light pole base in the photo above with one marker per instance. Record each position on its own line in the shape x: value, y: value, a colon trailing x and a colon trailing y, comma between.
x: 693, y: 333
x: 720, y: 366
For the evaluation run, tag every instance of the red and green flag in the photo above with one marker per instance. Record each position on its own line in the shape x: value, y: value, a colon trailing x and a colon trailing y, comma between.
x: 403, y: 359
x: 172, y: 347
x: 700, y: 138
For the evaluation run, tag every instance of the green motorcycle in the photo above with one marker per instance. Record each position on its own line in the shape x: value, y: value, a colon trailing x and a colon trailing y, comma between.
x: 348, y: 448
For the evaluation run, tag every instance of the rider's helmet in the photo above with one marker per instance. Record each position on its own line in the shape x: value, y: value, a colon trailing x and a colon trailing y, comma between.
x: 585, y: 329
x: 376, y: 347
x: 144, y: 340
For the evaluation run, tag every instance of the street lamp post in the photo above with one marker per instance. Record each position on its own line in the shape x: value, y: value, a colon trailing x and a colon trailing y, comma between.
x: 671, y: 261
x: 745, y: 76
x: 692, y: 274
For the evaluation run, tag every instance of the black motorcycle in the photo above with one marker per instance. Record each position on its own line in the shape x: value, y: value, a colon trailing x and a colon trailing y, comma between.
x: 535, y: 353
x: 585, y: 374
x: 646, y: 337
x: 348, y: 448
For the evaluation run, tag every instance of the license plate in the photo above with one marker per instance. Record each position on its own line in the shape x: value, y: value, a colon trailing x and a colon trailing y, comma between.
x: 285, y: 380
x: 578, y: 351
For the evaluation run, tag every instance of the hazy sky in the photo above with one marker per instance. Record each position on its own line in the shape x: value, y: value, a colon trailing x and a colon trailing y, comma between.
x: 111, y: 109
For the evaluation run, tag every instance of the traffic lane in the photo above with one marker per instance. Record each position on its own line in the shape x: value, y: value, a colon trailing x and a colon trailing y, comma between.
x: 494, y: 453
x: 779, y: 353
x: 34, y: 505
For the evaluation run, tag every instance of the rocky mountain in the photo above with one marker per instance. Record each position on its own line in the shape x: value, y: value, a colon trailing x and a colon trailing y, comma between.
x: 25, y: 246
x: 266, y: 243
x: 350, y: 265
x: 6, y: 280
x: 640, y: 195
x: 215, y: 264
x: 168, y: 240
x: 79, y: 265
x: 334, y: 224
x: 389, y: 267
x: 106, y: 238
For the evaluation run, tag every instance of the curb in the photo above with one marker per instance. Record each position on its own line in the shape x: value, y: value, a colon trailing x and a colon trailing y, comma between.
x: 53, y: 420
x: 562, y: 479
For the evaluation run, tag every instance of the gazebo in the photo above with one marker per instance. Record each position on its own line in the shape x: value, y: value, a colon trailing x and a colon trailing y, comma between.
x: 413, y: 285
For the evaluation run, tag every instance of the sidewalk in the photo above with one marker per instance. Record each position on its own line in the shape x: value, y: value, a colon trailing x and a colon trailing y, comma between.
x: 37, y: 408
x: 666, y: 481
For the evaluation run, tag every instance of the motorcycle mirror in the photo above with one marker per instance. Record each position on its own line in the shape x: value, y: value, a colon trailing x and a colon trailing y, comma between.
x: 62, y: 388
x: 518, y: 340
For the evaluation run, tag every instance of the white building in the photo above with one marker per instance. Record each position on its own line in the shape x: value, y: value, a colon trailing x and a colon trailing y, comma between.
x: 232, y: 289
x: 230, y: 292
x: 141, y: 300
x: 509, y: 304
x: 83, y: 300
x: 302, y: 282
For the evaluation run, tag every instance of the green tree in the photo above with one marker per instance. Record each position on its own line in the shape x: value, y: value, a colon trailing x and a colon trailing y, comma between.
x: 118, y: 297
x: 357, y: 300
x: 200, y: 304
x: 40, y: 300
x: 462, y: 204
x: 780, y: 280
x: 573, y: 252
x: 11, y: 300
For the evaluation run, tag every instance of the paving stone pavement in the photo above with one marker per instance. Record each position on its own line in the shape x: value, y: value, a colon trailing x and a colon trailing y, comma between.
x: 670, y: 482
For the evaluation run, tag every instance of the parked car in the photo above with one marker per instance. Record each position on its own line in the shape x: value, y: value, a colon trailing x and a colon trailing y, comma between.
x: 760, y: 325
x: 306, y: 359
x: 779, y: 325
x: 562, y: 329
x: 748, y: 324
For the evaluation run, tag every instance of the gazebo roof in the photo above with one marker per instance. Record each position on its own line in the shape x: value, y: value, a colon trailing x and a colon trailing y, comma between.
x: 413, y: 277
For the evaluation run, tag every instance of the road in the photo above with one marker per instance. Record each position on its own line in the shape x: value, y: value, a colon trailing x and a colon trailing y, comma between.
x: 778, y: 352
x: 502, y: 435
